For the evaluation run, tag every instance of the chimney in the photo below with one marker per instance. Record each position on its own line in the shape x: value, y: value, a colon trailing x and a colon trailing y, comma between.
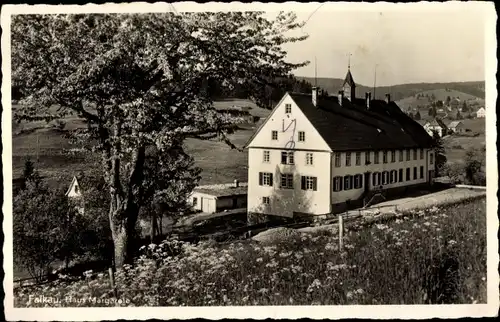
x: 368, y: 97
x: 387, y: 98
x: 341, y: 97
x: 315, y: 96
x: 236, y: 183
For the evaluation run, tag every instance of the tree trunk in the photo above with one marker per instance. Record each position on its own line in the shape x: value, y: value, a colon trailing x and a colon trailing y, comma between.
x: 122, y: 222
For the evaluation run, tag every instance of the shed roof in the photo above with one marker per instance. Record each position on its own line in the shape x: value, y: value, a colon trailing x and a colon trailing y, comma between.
x: 223, y: 190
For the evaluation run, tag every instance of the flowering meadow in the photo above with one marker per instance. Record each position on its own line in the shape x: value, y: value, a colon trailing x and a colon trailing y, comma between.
x: 436, y: 256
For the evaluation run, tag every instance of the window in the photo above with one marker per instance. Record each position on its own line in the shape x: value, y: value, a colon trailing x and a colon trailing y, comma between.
x: 274, y: 135
x: 385, y: 177
x: 358, y: 181
x: 414, y: 154
x: 400, y: 155
x: 309, y: 158
x: 195, y: 201
x: 265, y: 200
x: 266, y: 156
x: 400, y: 175
x: 408, y: 155
x: 287, y: 158
x: 384, y: 157
x: 288, y: 108
x: 421, y: 172
x: 337, y: 160
x: 309, y: 183
x: 393, y: 176
x: 393, y: 156
x: 337, y: 184
x: 414, y: 173
x: 348, y: 159
x: 367, y: 157
x: 347, y: 182
x: 302, y: 136
x: 265, y: 179
x: 358, y: 158
x: 376, y: 179
x: 432, y: 158
x: 375, y: 158
x: 287, y: 181
x: 421, y: 154
x: 408, y: 177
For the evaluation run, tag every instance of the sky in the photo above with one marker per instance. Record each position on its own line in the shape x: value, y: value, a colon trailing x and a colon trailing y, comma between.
x: 408, y: 45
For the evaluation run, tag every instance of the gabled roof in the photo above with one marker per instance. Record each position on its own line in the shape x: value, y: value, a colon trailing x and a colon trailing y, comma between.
x: 454, y: 124
x: 349, y: 79
x: 438, y: 122
x: 353, y: 127
x: 72, y: 184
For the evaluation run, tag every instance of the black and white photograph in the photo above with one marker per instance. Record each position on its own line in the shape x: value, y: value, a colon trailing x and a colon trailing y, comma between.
x: 250, y: 160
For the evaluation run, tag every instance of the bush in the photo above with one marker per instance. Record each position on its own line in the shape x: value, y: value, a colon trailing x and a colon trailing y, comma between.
x: 46, y: 228
x: 475, y: 161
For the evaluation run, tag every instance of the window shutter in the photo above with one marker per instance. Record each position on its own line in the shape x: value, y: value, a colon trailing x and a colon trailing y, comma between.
x: 271, y: 179
x: 283, y: 157
x: 340, y: 183
x: 303, y: 183
x: 315, y: 183
x: 360, y: 180
x: 260, y: 178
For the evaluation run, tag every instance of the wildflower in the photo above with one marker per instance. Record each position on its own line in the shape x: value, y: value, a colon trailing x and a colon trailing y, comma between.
x: 381, y: 226
x: 314, y: 285
x: 483, y: 278
x: 427, y: 223
x: 285, y: 254
x: 349, y: 295
x: 298, y: 255
x: 451, y: 242
x: 263, y: 291
x: 330, y: 246
x: 259, y: 260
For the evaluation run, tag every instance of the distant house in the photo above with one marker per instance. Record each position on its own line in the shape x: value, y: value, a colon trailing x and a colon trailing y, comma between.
x: 455, y: 103
x: 456, y: 127
x: 436, y: 125
x: 220, y: 197
x: 75, y: 193
x: 481, y: 113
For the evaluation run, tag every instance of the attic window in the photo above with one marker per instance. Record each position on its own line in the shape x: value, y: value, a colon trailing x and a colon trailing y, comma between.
x: 288, y: 108
x: 379, y: 130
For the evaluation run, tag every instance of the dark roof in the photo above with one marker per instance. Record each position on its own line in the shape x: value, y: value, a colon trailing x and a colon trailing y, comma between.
x: 223, y: 192
x: 349, y: 79
x: 353, y: 127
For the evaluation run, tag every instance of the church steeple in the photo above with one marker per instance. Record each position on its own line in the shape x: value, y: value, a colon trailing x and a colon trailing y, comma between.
x: 349, y: 85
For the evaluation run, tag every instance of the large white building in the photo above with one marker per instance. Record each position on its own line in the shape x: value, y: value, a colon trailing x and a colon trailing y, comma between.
x: 316, y: 155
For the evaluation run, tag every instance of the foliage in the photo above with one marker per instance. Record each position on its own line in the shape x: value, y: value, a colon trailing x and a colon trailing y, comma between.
x: 440, y: 152
x: 137, y: 80
x: 475, y: 164
x: 436, y: 256
x: 453, y: 170
x: 459, y: 116
x: 465, y: 108
x: 30, y: 174
x: 46, y: 228
x: 417, y: 116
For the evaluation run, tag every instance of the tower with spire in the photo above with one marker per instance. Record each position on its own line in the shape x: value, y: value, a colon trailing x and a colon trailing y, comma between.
x: 349, y: 87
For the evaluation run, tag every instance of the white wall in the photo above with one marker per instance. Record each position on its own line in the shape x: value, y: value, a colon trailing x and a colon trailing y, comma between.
x: 353, y: 194
x: 288, y: 126
x: 205, y: 203
x: 286, y: 201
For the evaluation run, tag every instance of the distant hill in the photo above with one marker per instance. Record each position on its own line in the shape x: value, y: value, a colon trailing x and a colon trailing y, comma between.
x: 398, y: 92
x: 422, y: 99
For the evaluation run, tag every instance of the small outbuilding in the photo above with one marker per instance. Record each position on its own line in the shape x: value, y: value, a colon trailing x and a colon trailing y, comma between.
x: 219, y: 197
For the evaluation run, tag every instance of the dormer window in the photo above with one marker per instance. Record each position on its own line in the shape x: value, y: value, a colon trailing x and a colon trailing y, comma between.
x: 288, y: 108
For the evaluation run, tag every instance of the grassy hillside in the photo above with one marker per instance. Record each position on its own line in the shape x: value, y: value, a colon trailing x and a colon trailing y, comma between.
x: 436, y: 256
x: 439, y: 94
x: 40, y: 141
x: 333, y: 85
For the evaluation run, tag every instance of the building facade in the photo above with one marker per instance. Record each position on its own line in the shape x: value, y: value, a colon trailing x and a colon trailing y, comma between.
x: 314, y: 154
x: 481, y: 113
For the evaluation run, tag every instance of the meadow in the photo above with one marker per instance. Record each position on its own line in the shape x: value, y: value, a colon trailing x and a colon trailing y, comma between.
x: 433, y: 256
x: 48, y: 147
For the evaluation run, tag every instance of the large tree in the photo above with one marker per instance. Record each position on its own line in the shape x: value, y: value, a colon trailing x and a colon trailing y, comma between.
x: 137, y: 81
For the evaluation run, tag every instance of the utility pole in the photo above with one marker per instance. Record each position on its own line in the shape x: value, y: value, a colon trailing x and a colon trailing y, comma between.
x: 375, y: 82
